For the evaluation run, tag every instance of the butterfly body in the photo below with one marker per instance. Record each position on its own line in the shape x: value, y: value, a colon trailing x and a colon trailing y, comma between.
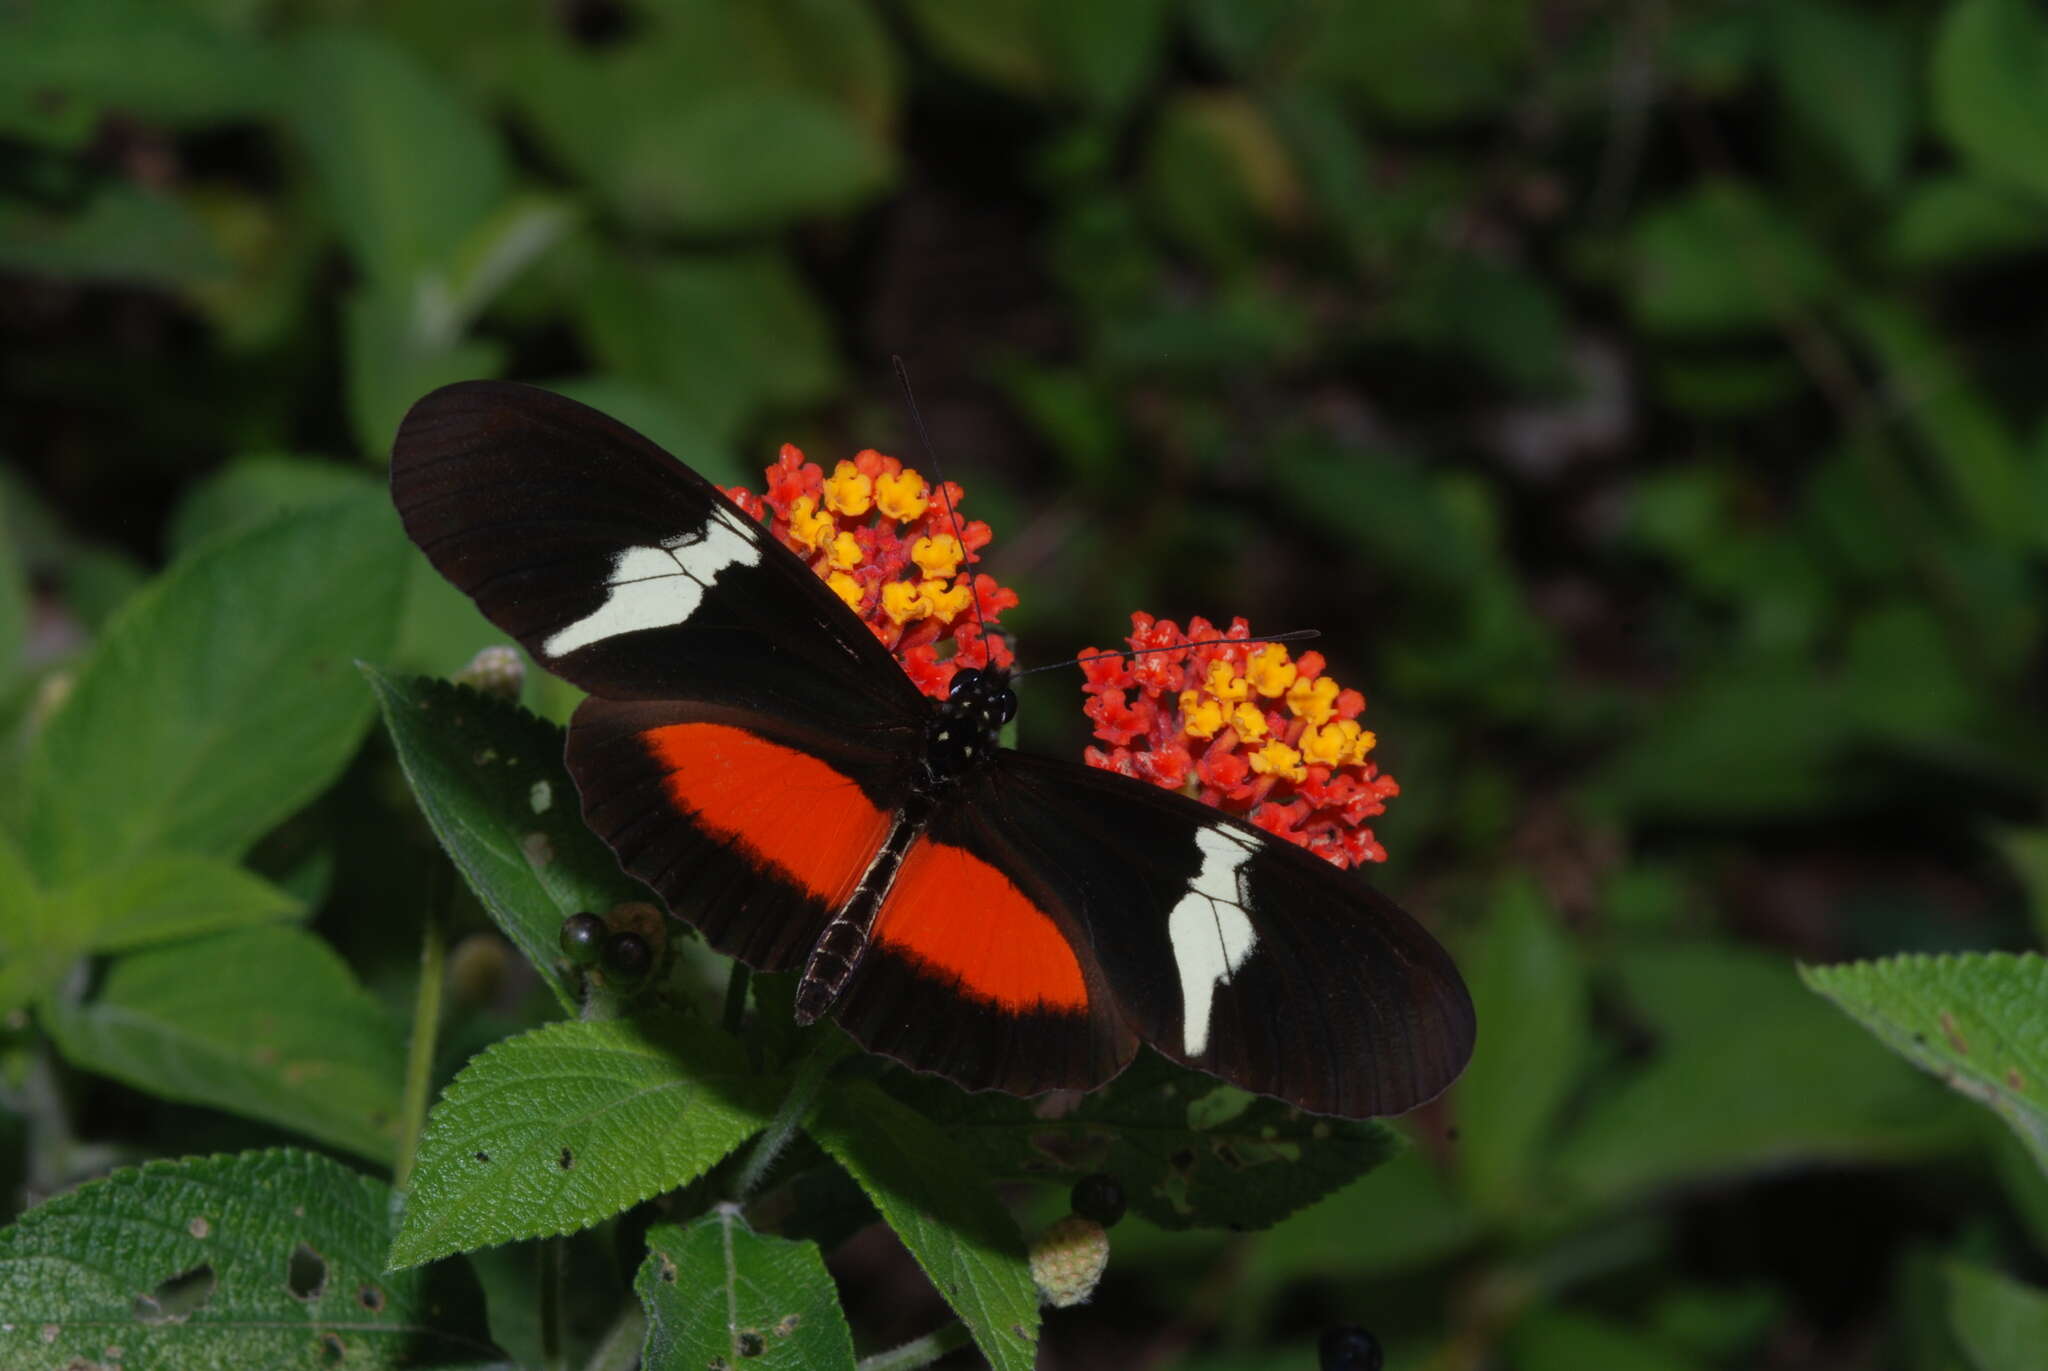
x: 751, y: 751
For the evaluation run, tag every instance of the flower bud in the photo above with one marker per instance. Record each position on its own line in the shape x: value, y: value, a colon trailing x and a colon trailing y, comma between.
x: 1068, y: 1259
x: 495, y: 671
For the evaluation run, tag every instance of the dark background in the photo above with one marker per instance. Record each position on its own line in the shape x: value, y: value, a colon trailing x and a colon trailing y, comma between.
x: 1642, y: 399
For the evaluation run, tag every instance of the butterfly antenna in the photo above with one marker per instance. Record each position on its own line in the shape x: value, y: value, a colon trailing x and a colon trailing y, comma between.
x: 924, y: 439
x: 1295, y: 636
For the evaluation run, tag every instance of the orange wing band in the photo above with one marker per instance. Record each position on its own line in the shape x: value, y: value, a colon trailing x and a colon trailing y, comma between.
x: 784, y: 806
x: 963, y: 919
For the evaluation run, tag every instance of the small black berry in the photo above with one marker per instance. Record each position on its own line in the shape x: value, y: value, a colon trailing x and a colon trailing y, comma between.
x: 627, y: 960
x: 1100, y: 1198
x: 1347, y: 1347
x: 582, y: 938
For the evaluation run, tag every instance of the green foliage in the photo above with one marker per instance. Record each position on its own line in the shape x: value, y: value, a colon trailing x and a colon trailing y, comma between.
x: 298, y: 1043
x: 560, y: 1128
x: 491, y: 782
x: 267, y: 1258
x: 715, y: 1289
x: 1979, y: 1022
x: 1642, y: 401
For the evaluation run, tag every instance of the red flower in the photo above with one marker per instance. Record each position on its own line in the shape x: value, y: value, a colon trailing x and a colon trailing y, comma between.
x: 876, y: 532
x: 1244, y: 727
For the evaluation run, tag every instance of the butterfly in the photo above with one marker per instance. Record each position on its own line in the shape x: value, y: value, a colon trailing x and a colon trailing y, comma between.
x: 749, y: 750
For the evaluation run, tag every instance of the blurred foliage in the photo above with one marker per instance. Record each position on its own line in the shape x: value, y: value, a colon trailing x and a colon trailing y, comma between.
x: 1643, y: 400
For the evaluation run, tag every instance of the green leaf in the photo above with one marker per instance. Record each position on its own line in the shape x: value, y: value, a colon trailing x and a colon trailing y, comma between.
x: 268, y: 1259
x: 1531, y: 994
x: 563, y: 1127
x: 62, y: 67
x: 1979, y: 1021
x: 2026, y: 852
x: 1990, y: 72
x: 28, y: 930
x: 650, y: 412
x: 1400, y: 1218
x: 1848, y: 75
x: 1722, y: 260
x: 1957, y: 220
x: 168, y: 897
x: 723, y: 335
x: 1748, y: 1072
x: 1106, y: 54
x: 944, y: 1210
x: 490, y: 779
x: 1419, y: 64
x: 718, y: 1293
x: 123, y: 235
x: 266, y: 1022
x: 251, y: 491
x: 406, y: 168
x: 396, y: 354
x: 1563, y: 1340
x: 14, y: 603
x: 220, y: 699
x: 1189, y: 1151
x: 2001, y: 1323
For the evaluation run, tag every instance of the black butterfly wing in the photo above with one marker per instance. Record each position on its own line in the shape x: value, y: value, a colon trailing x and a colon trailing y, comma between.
x: 1228, y: 949
x: 623, y: 571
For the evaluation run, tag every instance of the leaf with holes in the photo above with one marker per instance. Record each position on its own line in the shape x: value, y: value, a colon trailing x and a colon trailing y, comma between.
x: 272, y: 1259
x: 718, y: 1293
x: 566, y: 1126
x: 219, y: 699
x: 1979, y: 1021
x: 490, y: 779
x: 294, y: 1040
x: 1189, y: 1151
x: 944, y: 1209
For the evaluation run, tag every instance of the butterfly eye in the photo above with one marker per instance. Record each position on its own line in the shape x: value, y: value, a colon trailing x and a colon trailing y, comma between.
x: 965, y: 680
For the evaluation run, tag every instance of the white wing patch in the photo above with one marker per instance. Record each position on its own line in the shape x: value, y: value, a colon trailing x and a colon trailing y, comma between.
x: 1211, y: 935
x: 660, y: 586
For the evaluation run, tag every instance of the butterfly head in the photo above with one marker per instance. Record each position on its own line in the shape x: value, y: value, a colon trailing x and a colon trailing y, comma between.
x: 964, y: 729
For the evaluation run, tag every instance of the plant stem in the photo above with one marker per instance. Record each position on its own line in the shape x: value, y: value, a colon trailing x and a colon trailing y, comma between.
x: 919, y: 1351
x: 826, y: 1051
x: 736, y: 997
x: 426, y: 1024
x: 619, y: 1348
x: 550, y: 1282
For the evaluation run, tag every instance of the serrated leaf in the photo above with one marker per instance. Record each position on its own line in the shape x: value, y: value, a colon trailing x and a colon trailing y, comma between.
x: 565, y: 1126
x: 944, y: 1210
x: 2001, y: 1323
x: 266, y: 1022
x: 1979, y: 1021
x: 1990, y: 77
x: 1188, y: 1150
x: 268, y: 1259
x: 1530, y: 993
x: 490, y: 779
x: 220, y: 699
x: 718, y: 1293
x: 1746, y: 1073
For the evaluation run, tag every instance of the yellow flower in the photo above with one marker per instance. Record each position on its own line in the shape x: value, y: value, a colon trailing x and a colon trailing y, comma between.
x: 1223, y: 683
x: 845, y: 554
x: 1326, y: 746
x: 848, y: 492
x: 902, y: 601
x: 807, y: 525
x: 1314, y: 700
x: 938, y: 557
x: 1278, y: 759
x: 846, y: 588
x: 947, y: 604
x: 1249, y: 722
x: 1367, y: 741
x: 902, y: 496
x: 1199, y: 717
x: 1271, y: 670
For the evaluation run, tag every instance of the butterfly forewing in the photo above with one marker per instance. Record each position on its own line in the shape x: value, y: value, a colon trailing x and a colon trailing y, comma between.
x: 623, y: 571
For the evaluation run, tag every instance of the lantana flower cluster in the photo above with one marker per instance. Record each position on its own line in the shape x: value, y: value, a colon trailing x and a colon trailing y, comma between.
x: 884, y: 541
x: 1247, y: 728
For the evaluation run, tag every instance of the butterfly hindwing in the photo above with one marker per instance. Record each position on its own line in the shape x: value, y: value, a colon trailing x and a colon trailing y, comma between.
x: 1233, y: 951
x: 753, y: 827
x: 623, y: 571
